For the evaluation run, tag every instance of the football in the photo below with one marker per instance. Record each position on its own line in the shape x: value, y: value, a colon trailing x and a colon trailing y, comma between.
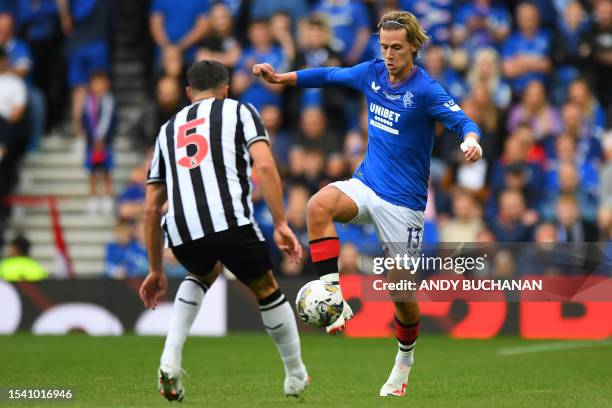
x: 319, y: 304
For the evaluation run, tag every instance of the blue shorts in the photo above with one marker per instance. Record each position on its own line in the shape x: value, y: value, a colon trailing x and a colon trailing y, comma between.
x: 85, y: 60
x: 106, y: 165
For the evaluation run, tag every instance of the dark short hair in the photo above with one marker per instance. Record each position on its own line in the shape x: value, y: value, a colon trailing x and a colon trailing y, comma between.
x: 207, y: 74
x: 22, y: 245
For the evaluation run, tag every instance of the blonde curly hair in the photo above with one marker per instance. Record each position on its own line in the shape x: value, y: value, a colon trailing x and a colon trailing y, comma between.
x: 403, y: 20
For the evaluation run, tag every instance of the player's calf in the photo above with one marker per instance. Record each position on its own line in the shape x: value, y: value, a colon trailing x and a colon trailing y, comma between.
x: 279, y: 321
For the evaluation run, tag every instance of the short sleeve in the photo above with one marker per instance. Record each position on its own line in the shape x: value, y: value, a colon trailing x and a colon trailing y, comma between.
x: 157, y: 170
x: 252, y: 125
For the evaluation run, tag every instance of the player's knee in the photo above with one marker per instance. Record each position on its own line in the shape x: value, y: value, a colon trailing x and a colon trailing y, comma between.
x: 264, y: 286
x: 319, y: 210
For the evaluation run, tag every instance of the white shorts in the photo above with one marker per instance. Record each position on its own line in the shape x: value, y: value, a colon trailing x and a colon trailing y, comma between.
x: 399, y: 229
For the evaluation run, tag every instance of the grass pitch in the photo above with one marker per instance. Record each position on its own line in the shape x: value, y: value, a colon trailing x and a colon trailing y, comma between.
x: 243, y: 370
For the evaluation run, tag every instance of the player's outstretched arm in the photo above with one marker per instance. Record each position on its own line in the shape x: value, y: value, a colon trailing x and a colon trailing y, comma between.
x: 272, y: 190
x: 154, y: 286
x: 268, y: 74
x: 351, y: 77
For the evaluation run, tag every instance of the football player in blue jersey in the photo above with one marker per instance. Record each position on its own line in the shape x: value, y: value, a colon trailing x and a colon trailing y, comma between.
x: 389, y: 188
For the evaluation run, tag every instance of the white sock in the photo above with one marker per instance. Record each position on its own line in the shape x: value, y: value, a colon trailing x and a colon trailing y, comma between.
x: 186, y: 306
x: 279, y: 322
x: 405, y: 354
x: 333, y: 279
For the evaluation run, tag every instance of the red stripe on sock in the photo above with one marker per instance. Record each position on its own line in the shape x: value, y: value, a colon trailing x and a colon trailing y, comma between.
x: 407, y: 334
x: 322, y: 250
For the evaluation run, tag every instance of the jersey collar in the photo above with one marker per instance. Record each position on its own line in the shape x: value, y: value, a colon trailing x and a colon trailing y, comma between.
x: 404, y: 81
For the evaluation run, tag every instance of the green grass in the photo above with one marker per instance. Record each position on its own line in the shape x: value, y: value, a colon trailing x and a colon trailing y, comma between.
x: 243, y: 370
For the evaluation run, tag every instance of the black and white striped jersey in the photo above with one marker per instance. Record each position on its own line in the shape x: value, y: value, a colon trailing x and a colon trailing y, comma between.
x: 201, y: 154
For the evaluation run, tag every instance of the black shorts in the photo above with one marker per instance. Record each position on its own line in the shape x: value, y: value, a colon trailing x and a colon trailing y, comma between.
x: 239, y: 249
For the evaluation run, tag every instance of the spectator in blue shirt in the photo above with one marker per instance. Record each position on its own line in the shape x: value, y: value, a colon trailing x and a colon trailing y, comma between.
x: 526, y: 51
x: 435, y: 16
x: 480, y: 23
x: 87, y: 24
x: 565, y: 48
x: 566, y: 153
x: 436, y: 66
x: 179, y: 24
x: 315, y: 46
x: 247, y: 87
x: 587, y: 147
x: 350, y: 23
x: 567, y: 179
x: 117, y: 262
x: 513, y: 223
x: 126, y: 256
x: 130, y: 203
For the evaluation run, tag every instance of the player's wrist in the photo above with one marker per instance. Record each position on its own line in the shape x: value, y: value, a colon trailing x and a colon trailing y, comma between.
x: 157, y: 272
x: 280, y: 222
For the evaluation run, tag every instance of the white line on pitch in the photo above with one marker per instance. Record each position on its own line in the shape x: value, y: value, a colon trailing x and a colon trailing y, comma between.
x: 556, y: 346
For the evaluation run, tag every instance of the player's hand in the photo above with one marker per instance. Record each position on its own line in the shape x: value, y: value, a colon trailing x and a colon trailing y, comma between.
x: 153, y: 289
x: 472, y: 149
x: 286, y: 241
x: 266, y: 72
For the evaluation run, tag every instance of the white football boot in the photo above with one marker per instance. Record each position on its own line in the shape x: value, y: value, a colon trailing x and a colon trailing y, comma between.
x: 170, y: 383
x: 340, y: 324
x: 397, y: 382
x: 294, y: 386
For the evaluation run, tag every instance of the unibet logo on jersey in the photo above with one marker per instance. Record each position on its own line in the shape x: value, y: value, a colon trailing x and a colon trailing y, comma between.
x: 384, y: 118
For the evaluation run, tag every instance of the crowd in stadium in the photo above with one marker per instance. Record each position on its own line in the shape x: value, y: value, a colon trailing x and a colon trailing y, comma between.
x: 535, y: 76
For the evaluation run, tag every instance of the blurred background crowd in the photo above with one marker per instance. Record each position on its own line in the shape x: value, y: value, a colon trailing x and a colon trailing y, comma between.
x: 536, y: 76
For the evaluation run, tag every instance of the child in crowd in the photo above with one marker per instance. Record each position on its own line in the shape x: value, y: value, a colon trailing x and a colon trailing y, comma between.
x: 98, y: 120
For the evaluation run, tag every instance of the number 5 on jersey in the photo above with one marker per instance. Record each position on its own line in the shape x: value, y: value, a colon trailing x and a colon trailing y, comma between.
x: 195, y: 139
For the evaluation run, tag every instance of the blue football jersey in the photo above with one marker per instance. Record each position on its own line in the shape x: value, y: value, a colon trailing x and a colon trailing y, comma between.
x: 401, y: 119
